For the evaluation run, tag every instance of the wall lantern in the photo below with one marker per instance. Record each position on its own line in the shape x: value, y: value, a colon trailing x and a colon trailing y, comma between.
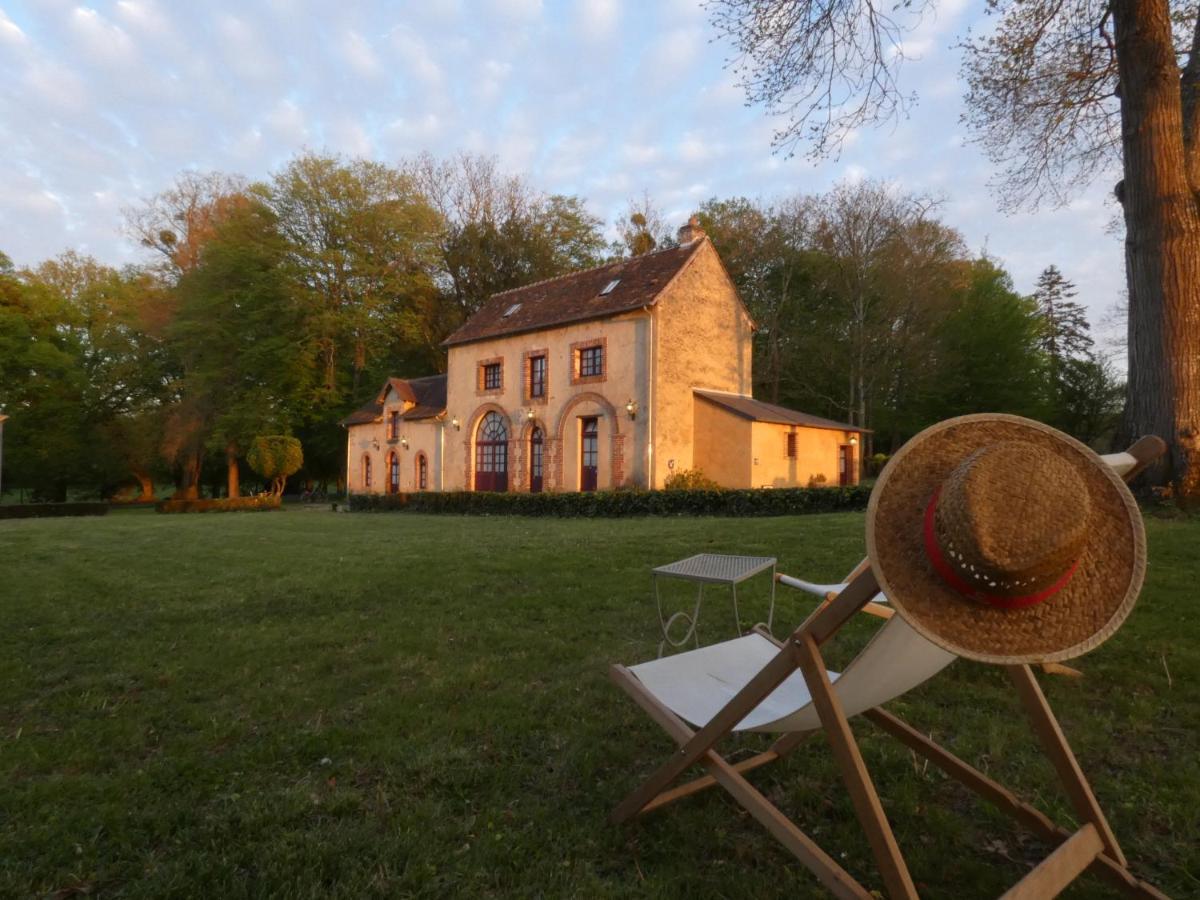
x: 375, y: 443
x: 404, y: 442
x: 631, y: 407
x: 457, y: 425
x: 531, y: 415
x: 853, y: 440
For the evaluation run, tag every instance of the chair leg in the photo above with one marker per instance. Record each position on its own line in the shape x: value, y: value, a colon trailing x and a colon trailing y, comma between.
x: 888, y: 857
x: 1004, y: 800
x: 1054, y: 742
x: 839, y: 882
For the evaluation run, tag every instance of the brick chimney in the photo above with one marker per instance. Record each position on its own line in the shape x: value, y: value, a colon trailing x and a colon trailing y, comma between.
x: 691, y: 231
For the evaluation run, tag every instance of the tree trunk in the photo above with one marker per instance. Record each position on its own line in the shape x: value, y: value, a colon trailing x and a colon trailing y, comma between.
x: 231, y: 465
x: 146, y: 484
x: 1162, y: 245
x: 188, y: 485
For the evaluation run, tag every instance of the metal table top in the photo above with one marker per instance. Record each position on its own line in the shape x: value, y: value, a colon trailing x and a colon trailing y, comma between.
x: 716, y: 568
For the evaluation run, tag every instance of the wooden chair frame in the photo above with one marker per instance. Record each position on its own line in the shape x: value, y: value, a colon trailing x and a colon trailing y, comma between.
x: 1092, y: 847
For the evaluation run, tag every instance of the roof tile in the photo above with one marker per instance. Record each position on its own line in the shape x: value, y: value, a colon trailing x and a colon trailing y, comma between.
x: 576, y: 297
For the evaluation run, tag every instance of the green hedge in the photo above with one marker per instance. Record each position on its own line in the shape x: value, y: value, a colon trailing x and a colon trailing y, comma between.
x: 614, y: 504
x: 49, y: 510
x: 235, y: 504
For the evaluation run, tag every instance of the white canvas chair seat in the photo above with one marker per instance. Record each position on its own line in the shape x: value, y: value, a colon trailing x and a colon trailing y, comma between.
x: 697, y: 684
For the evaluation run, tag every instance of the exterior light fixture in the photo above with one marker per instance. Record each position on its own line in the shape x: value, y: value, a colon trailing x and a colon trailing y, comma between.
x: 853, y: 440
x: 404, y: 442
x: 631, y: 407
x: 531, y: 415
x: 375, y: 443
x: 457, y: 425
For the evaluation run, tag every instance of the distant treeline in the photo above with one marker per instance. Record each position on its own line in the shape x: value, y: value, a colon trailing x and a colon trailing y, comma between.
x: 277, y: 307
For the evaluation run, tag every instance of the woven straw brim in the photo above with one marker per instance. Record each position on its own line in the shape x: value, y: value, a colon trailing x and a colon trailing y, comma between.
x: 1079, y: 618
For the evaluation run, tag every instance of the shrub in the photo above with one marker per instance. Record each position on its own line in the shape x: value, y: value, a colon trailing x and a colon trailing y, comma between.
x: 275, y: 457
x: 51, y: 510
x: 615, y: 504
x: 229, y: 504
x: 690, y: 480
x: 878, y: 461
x: 816, y: 480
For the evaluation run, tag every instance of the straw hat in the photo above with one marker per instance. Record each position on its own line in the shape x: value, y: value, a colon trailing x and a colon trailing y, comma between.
x: 1006, y: 541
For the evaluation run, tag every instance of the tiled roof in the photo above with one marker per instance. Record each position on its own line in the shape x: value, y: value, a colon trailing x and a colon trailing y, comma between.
x: 428, y: 393
x: 364, y: 415
x: 758, y: 411
x: 576, y: 297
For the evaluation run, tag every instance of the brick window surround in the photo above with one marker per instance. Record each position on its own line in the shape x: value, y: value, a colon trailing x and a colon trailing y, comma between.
x: 576, y: 354
x: 481, y: 371
x: 527, y: 375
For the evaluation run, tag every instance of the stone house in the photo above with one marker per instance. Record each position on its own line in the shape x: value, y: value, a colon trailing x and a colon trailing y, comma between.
x: 610, y: 377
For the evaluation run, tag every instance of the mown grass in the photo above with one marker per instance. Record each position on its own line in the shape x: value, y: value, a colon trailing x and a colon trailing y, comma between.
x: 305, y: 704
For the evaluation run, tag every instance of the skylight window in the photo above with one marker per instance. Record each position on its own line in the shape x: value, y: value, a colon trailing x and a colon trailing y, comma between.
x: 608, y: 288
x: 512, y: 309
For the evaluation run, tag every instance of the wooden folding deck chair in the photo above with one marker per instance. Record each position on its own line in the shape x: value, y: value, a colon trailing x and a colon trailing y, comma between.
x: 756, y: 683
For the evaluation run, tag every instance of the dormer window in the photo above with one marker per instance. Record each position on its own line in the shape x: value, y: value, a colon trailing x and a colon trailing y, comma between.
x: 608, y: 288
x: 512, y: 309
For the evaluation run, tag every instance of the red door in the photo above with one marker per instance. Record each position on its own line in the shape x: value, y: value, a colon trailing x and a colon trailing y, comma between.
x: 589, y: 455
x: 491, y: 454
x: 845, y: 462
x: 536, y: 442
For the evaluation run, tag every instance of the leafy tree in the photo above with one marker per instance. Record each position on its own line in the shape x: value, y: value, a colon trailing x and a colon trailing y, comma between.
x: 1089, y: 398
x: 243, y: 341
x: 41, y: 390
x: 988, y: 357
x: 1057, y: 92
x: 362, y: 242
x: 275, y: 457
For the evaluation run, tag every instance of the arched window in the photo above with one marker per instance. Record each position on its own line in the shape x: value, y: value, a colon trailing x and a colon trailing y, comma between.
x: 366, y: 471
x: 536, y: 442
x: 491, y: 454
x: 393, y: 473
x: 422, y: 472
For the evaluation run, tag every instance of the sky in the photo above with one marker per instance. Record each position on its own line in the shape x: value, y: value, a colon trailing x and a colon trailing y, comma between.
x: 103, y: 104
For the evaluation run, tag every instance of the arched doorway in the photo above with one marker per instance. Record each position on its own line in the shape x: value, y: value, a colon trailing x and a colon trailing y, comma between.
x: 491, y: 454
x: 537, y: 441
x: 393, y: 473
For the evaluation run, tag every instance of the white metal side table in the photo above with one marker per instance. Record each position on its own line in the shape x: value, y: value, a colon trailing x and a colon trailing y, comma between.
x: 709, y: 568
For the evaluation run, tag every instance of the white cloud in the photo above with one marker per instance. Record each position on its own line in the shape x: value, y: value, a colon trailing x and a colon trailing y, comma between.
x: 10, y: 33
x: 517, y: 9
x: 597, y: 19
x: 99, y: 38
x: 414, y: 55
x: 144, y: 16
x: 357, y: 51
x: 286, y: 121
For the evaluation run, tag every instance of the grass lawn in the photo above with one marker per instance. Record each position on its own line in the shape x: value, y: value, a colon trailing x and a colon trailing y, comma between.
x: 306, y: 704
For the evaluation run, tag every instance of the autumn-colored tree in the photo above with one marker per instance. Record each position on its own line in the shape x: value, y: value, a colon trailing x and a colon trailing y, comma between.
x: 1057, y: 92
